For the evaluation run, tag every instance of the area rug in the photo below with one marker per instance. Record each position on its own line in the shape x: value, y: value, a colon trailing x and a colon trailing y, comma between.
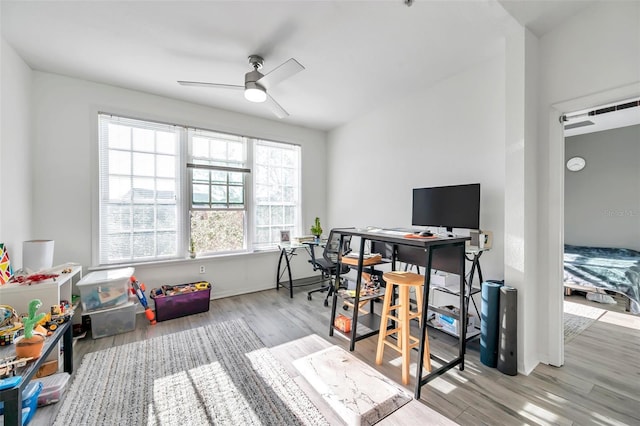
x: 358, y: 393
x: 577, y: 318
x: 219, y: 374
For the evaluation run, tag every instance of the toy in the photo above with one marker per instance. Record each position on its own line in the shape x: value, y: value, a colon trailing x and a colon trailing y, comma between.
x: 9, y: 364
x: 138, y: 289
x: 10, y: 325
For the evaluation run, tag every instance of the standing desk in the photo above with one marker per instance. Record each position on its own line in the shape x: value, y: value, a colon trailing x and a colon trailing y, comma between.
x: 287, y: 251
x: 449, y: 256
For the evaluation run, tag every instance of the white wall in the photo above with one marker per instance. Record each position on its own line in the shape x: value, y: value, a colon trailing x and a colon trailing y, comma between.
x: 602, y: 201
x: 520, y: 188
x: 451, y: 133
x: 65, y: 175
x: 15, y: 152
x: 591, y: 59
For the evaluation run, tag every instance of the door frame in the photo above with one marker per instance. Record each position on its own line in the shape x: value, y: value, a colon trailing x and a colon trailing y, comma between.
x: 556, y: 206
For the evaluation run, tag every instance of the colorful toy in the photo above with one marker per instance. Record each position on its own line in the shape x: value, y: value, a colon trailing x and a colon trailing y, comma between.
x: 138, y: 289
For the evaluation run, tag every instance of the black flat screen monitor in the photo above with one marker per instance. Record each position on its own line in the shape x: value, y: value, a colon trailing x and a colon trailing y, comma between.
x: 456, y: 206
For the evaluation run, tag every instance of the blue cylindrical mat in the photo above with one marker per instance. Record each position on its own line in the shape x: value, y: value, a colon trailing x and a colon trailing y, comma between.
x: 490, y: 321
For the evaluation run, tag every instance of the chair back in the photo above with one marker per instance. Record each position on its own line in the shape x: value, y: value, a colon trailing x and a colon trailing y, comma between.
x: 332, y: 248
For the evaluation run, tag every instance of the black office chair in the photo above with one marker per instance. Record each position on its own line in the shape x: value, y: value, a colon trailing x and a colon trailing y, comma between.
x: 328, y: 263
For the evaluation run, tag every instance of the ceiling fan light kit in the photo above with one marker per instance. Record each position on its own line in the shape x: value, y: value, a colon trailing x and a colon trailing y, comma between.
x: 254, y: 93
x: 256, y: 84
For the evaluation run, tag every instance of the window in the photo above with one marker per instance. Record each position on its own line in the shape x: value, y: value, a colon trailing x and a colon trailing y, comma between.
x: 277, y: 190
x: 218, y: 208
x: 240, y: 192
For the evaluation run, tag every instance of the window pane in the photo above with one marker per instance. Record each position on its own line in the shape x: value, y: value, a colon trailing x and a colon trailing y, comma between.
x: 262, y: 215
x: 218, y: 177
x: 236, y: 178
x: 119, y: 189
x: 119, y: 136
x: 143, y: 164
x: 236, y: 195
x: 143, y: 140
x: 200, y: 194
x: 167, y: 218
x: 118, y: 218
x: 215, y: 231
x: 167, y: 243
x: 119, y: 162
x: 144, y: 245
x: 165, y: 166
x: 219, y: 194
x: 165, y: 143
x: 262, y: 235
x: 143, y: 217
x: 119, y: 248
x: 236, y: 152
x: 200, y: 175
x: 199, y: 147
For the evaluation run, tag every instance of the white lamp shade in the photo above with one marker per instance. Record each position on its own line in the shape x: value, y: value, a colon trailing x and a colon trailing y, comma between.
x: 254, y: 93
x: 37, y: 255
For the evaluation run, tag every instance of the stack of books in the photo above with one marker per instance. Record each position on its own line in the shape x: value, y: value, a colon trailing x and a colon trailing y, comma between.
x: 304, y: 239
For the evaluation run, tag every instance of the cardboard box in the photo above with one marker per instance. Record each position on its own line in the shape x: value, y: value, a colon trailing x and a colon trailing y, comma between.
x: 47, y: 368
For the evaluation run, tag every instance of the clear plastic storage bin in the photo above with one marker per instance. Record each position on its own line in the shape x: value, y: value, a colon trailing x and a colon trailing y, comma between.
x: 53, y: 388
x: 108, y: 322
x: 105, y: 289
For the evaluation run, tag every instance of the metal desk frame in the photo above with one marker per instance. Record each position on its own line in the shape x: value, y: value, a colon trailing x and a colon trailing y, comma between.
x: 13, y: 397
x: 287, y: 251
x: 429, y: 245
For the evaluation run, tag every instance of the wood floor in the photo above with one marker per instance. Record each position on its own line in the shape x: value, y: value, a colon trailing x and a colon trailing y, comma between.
x: 599, y: 384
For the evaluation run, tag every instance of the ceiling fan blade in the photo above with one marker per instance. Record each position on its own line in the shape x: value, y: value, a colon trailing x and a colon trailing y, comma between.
x: 215, y: 85
x: 275, y: 107
x: 284, y: 71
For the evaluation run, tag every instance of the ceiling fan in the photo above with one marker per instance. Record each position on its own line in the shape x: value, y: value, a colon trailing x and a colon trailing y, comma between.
x: 256, y: 84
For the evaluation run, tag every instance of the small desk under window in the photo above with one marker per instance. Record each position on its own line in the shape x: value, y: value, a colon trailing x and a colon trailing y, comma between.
x: 287, y: 251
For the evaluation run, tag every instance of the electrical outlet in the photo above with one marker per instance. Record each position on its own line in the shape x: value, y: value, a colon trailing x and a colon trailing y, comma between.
x: 202, y: 269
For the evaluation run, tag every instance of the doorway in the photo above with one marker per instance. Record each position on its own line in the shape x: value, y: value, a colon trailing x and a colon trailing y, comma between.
x: 601, y: 203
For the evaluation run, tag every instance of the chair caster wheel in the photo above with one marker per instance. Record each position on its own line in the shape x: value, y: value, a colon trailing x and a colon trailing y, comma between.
x: 308, y: 297
x: 326, y: 303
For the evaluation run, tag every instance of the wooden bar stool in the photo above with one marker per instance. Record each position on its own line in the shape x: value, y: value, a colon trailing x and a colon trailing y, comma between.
x: 402, y: 315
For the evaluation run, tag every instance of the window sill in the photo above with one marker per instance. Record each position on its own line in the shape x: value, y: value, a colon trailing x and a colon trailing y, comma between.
x: 186, y: 260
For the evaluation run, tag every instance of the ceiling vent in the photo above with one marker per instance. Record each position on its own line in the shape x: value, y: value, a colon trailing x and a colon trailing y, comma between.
x: 579, y: 124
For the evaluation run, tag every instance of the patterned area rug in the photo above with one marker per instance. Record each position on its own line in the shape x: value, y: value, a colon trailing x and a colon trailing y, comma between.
x: 218, y: 374
x: 577, y: 318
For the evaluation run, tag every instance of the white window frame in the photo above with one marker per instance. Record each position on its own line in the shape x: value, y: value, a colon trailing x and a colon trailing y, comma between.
x: 184, y: 196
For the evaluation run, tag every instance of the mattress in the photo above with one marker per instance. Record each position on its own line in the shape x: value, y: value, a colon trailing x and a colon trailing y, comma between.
x: 614, y: 269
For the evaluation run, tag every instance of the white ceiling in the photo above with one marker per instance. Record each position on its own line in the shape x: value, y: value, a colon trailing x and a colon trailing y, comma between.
x: 357, y: 54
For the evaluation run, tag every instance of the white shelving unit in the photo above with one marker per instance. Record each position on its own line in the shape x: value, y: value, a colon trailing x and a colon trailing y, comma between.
x: 50, y: 292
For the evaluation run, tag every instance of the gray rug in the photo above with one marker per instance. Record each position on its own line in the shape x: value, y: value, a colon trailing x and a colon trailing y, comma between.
x: 218, y: 374
x: 577, y: 318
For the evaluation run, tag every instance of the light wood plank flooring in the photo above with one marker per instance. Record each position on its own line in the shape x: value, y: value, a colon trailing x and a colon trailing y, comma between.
x: 599, y: 384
